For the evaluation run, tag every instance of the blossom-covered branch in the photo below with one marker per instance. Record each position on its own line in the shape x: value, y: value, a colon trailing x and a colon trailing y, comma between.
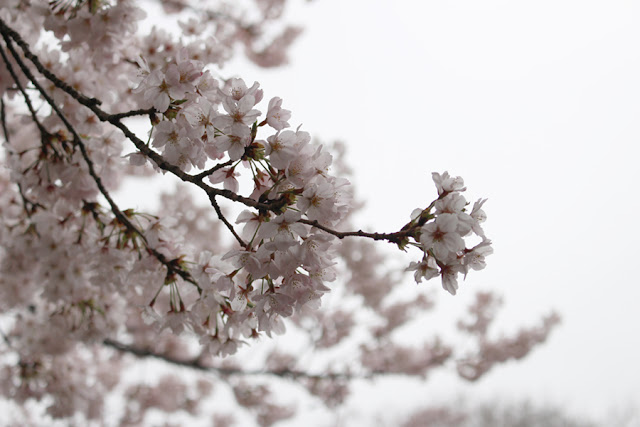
x: 243, y: 146
x: 94, y: 102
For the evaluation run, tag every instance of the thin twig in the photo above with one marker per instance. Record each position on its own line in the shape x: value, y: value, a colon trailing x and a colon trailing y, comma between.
x: 209, y: 171
x: 391, y: 237
x: 3, y: 117
x: 27, y: 100
x: 222, y: 218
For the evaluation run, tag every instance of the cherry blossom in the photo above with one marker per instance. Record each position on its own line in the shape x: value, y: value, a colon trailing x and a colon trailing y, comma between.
x: 277, y: 116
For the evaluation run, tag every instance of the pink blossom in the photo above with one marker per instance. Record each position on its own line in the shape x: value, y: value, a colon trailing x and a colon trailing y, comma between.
x: 441, y: 235
x: 281, y: 149
x: 156, y: 91
x: 276, y: 116
x: 427, y: 269
x: 227, y: 176
x: 446, y: 183
x: 238, y: 137
x: 238, y: 90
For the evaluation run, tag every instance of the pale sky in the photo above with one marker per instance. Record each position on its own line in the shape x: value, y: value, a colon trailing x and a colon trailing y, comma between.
x: 536, y: 105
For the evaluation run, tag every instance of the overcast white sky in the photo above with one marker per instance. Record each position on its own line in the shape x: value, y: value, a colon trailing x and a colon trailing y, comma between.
x: 536, y: 105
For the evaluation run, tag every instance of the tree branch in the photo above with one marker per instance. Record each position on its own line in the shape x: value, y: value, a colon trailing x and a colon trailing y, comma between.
x: 27, y: 100
x: 197, y: 364
x: 222, y: 218
x: 209, y: 171
x: 132, y: 113
x: 391, y: 237
x: 275, y: 205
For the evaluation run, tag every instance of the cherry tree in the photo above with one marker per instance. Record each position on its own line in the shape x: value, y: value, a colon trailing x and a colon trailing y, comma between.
x: 91, y: 289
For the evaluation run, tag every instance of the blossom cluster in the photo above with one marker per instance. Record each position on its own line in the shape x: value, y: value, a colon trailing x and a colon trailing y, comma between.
x: 443, y: 238
x: 283, y: 264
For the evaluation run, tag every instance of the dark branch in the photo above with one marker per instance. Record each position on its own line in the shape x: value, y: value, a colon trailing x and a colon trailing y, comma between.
x: 197, y: 364
x: 132, y: 113
x: 27, y: 100
x: 391, y: 237
x: 222, y: 218
x: 209, y: 171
